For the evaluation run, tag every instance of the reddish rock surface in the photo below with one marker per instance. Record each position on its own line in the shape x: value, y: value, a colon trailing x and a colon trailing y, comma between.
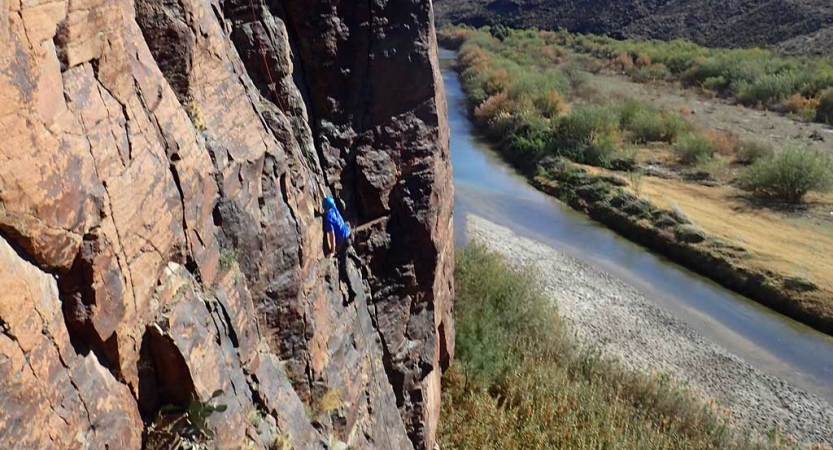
x: 161, y: 169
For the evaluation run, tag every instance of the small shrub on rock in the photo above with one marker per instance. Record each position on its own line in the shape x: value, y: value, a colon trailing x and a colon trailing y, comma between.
x: 690, y: 234
x: 790, y: 174
x: 800, y: 284
x: 664, y: 221
x: 679, y: 215
x: 694, y: 148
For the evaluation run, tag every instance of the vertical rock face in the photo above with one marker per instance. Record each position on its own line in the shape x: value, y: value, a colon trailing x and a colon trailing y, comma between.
x: 161, y: 169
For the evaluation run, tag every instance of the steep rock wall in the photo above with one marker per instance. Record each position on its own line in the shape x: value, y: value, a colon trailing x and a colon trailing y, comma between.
x: 160, y: 176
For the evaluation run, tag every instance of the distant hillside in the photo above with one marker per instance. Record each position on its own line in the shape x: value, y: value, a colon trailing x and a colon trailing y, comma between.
x: 803, y: 26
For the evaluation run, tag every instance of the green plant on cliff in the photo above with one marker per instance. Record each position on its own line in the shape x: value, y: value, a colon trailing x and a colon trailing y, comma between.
x: 281, y: 442
x: 518, y: 381
x: 330, y: 402
x: 195, y: 114
x: 183, y: 426
x: 227, y: 259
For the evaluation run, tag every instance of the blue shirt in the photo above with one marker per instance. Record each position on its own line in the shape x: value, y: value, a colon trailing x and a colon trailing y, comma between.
x: 335, y: 223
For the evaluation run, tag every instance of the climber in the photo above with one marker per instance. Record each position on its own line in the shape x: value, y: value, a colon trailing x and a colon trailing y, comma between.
x: 339, y: 236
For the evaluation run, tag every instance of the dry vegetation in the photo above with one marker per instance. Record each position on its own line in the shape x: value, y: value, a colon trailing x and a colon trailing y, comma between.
x: 518, y: 381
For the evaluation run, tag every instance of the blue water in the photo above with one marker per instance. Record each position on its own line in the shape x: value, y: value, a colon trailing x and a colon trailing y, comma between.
x: 488, y: 187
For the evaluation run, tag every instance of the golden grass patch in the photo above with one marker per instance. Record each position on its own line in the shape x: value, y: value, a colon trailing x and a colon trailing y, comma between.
x: 778, y: 243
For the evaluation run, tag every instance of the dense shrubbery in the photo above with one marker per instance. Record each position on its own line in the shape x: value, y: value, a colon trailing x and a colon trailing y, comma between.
x: 752, y: 76
x: 790, y: 174
x: 518, y: 382
x: 518, y: 90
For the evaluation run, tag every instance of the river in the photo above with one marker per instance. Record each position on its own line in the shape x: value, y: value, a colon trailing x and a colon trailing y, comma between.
x: 486, y: 186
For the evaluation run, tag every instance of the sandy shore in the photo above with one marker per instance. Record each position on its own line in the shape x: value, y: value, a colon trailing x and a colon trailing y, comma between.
x: 606, y: 313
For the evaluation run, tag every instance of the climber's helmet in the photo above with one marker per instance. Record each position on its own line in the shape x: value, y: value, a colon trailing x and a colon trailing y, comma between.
x: 329, y: 203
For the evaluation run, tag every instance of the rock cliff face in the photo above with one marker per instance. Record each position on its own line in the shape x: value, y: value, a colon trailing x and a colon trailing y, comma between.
x: 161, y: 167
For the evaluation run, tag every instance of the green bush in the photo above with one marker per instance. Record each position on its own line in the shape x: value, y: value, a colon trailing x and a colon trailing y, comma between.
x: 601, y: 150
x: 629, y: 109
x: 824, y: 113
x: 518, y: 382
x: 501, y: 314
x: 647, y: 126
x: 750, y: 151
x: 675, y: 126
x: 652, y: 126
x: 580, y: 127
x: 790, y: 174
x: 768, y: 88
x: 654, y: 72
x: 589, y: 134
x: 694, y: 148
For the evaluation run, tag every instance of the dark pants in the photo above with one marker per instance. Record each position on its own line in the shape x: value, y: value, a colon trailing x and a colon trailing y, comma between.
x: 343, y: 249
x: 345, y: 245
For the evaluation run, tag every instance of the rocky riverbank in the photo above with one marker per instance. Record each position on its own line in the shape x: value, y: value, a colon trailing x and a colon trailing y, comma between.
x: 672, y: 234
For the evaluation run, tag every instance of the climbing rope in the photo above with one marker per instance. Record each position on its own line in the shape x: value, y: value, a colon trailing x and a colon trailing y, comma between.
x: 375, y: 379
x: 272, y: 85
x: 371, y: 223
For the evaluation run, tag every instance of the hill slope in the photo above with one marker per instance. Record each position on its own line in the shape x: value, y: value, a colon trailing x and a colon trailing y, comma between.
x: 729, y: 23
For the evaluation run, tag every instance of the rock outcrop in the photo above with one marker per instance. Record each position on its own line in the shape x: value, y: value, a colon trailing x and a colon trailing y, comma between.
x: 161, y: 169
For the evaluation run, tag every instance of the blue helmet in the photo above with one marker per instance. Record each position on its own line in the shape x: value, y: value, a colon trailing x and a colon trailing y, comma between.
x: 329, y: 203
